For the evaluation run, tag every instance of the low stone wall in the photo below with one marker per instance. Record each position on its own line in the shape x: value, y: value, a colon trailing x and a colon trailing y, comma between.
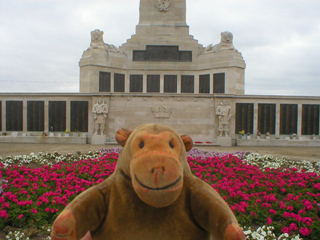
x: 278, y: 143
x: 43, y: 139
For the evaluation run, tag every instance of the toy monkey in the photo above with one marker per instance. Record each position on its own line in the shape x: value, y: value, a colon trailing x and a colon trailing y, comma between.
x: 152, y: 195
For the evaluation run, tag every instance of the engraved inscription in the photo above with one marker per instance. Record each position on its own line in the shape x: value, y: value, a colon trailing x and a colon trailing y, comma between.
x: 162, y: 54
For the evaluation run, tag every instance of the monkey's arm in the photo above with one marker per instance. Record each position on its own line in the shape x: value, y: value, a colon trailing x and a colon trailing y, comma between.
x: 212, y: 213
x: 85, y: 213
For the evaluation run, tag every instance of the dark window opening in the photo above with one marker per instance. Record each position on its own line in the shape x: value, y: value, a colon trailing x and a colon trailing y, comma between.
x: 153, y: 83
x: 187, y: 84
x: 204, y: 83
x: 35, y: 116
x: 170, y: 83
x: 136, y: 83
x: 119, y: 82
x: 104, y: 81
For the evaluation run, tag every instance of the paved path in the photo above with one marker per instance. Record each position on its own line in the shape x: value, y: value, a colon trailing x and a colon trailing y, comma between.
x: 293, y: 153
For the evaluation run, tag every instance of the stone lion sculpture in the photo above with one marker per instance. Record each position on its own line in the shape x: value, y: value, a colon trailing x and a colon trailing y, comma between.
x: 226, y: 42
x: 97, y: 40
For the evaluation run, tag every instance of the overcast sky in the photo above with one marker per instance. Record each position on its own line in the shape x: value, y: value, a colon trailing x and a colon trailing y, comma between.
x: 41, y: 41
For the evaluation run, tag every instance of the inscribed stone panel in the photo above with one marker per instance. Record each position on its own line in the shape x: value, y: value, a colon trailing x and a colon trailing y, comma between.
x: 288, y: 118
x: 267, y: 118
x: 14, y: 116
x: 219, y: 83
x: 204, y: 83
x: 104, y: 81
x: 119, y: 82
x: 79, y: 116
x: 244, y: 117
x: 310, y: 119
x: 162, y: 54
x: 187, y: 84
x: 153, y: 83
x: 136, y: 83
x: 170, y: 83
x: 35, y: 116
x: 57, y: 116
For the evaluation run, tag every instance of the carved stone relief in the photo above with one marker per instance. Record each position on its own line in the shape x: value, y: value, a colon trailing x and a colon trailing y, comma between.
x: 161, y: 112
x: 162, y: 5
x: 100, y: 111
x: 223, y: 111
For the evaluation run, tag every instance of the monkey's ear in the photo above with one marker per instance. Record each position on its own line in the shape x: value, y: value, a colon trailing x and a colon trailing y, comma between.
x: 188, y: 143
x: 122, y: 136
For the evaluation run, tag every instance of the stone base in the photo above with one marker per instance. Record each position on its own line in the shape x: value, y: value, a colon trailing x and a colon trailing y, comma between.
x: 98, y: 139
x: 224, y: 141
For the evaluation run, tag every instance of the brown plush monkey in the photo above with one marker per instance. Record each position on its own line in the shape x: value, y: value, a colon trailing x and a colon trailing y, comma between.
x: 152, y: 195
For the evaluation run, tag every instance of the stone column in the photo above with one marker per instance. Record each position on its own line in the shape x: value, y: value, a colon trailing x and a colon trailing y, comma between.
x: 144, y: 83
x: 196, y: 83
x: 299, y: 121
x: 277, y: 120
x: 68, y: 117
x: 127, y: 83
x: 111, y: 82
x: 179, y: 83
x: 161, y: 83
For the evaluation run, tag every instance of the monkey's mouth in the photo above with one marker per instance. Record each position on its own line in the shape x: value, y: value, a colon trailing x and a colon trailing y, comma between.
x: 157, y: 188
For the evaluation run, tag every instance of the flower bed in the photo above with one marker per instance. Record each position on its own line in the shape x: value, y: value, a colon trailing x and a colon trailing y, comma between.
x: 270, y: 197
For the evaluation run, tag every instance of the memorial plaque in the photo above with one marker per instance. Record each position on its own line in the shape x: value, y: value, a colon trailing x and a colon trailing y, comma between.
x: 288, y: 118
x: 310, y: 119
x: 187, y: 84
x: 244, y: 117
x: 204, y: 83
x: 14, y: 115
x: 170, y: 83
x: 104, y: 81
x: 79, y: 116
x: 153, y: 83
x: 35, y: 116
x: 162, y: 54
x: 57, y: 116
x: 267, y: 118
x: 119, y: 82
x: 136, y: 83
x: 219, y: 83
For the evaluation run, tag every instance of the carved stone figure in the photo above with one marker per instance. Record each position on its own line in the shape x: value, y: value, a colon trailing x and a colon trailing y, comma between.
x: 97, y: 40
x: 223, y: 111
x: 162, y: 5
x: 226, y: 42
x: 100, y: 111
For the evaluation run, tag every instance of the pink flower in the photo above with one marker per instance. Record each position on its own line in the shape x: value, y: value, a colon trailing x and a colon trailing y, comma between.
x: 20, y: 216
x: 253, y: 213
x: 3, y: 214
x: 272, y: 211
x: 305, y: 231
x: 269, y: 221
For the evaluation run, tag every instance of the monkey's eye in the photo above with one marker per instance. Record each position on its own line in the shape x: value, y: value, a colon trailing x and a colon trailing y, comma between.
x: 141, y: 145
x: 171, y: 144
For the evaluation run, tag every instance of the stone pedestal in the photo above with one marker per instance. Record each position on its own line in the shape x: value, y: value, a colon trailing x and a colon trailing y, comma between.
x: 224, y: 141
x: 98, y: 139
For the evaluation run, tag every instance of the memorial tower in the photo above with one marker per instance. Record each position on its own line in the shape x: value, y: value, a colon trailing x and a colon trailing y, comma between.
x: 162, y: 57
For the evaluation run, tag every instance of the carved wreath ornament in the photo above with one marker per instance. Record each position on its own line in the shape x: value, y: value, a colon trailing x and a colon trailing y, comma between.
x: 162, y: 5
